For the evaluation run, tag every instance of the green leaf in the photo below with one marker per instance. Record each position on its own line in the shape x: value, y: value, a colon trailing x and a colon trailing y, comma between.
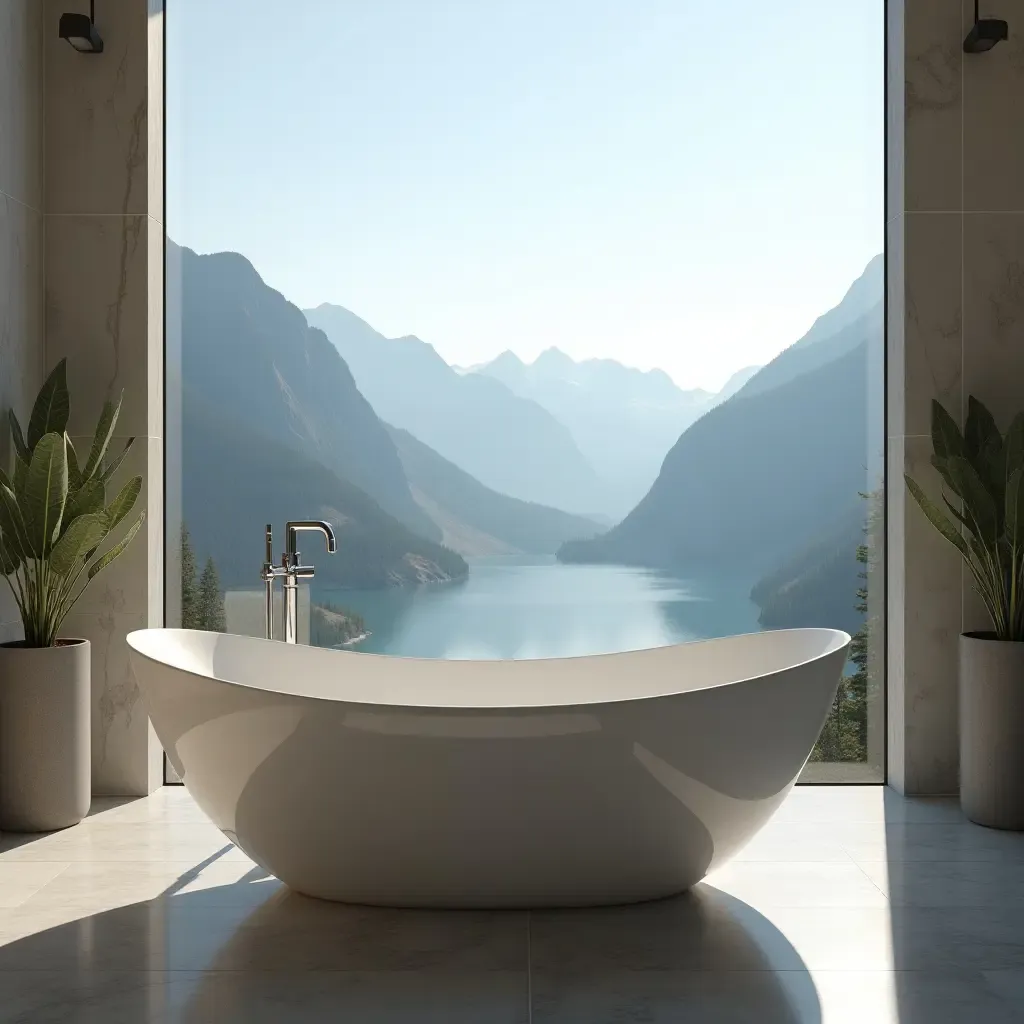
x: 1015, y: 508
x: 50, y: 413
x: 20, y: 474
x: 112, y: 468
x: 946, y: 438
x: 84, y: 534
x: 1013, y: 445
x: 19, y: 438
x: 979, y: 507
x: 981, y: 435
x: 74, y: 473
x: 124, y: 502
x: 940, y: 464
x: 90, y: 497
x: 101, y: 563
x: 12, y: 523
x: 46, y: 491
x: 9, y: 559
x: 957, y: 514
x: 938, y: 518
x: 101, y: 439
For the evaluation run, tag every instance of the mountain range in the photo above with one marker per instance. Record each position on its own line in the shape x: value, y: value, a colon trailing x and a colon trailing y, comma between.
x: 237, y: 480
x: 510, y: 444
x: 762, y: 478
x: 274, y: 428
x: 769, y: 480
x: 477, y: 521
x: 249, y: 352
x: 623, y: 419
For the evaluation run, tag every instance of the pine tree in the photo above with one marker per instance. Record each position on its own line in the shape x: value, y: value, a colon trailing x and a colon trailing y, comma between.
x: 189, y: 593
x: 211, y: 600
x: 845, y: 735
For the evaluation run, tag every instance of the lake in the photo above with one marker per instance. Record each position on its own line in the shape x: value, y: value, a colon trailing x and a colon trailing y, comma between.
x: 517, y: 608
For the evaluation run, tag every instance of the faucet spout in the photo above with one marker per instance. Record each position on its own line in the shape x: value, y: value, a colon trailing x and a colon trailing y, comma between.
x: 292, y: 531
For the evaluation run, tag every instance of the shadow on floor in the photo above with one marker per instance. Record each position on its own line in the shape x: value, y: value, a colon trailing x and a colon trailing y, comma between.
x: 956, y: 893
x: 255, y: 952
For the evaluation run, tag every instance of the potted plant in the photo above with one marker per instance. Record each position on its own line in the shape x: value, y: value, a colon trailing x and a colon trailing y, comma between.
x: 54, y: 518
x: 984, y: 470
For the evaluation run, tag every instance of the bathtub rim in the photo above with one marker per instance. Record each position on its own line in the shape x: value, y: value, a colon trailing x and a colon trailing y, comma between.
x: 833, y: 648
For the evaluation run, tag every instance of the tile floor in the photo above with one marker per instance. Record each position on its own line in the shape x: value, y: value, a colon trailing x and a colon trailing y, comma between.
x: 853, y: 905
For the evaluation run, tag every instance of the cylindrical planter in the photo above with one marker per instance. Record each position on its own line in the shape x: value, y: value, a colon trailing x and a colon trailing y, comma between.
x: 45, y: 743
x: 992, y: 730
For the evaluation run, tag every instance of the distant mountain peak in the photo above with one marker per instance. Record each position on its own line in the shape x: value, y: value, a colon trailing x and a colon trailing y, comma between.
x: 413, y: 342
x: 552, y: 357
x: 506, y: 358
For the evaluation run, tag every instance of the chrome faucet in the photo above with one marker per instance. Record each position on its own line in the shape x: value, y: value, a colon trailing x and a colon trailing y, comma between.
x: 291, y: 570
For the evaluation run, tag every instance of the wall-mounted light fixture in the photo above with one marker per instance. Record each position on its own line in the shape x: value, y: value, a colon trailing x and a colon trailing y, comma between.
x: 985, y: 33
x: 80, y: 30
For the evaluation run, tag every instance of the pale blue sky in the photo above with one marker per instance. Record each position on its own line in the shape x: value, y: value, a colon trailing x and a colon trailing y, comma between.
x: 665, y: 182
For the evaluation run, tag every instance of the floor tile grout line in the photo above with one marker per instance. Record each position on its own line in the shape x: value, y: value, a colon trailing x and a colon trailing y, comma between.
x: 886, y: 896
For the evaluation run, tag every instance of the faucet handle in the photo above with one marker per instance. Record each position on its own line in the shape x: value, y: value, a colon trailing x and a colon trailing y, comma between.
x: 270, y: 544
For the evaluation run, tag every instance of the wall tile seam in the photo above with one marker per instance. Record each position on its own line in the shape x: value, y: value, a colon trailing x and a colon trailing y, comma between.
x: 955, y: 213
x: 109, y: 216
x: 21, y: 202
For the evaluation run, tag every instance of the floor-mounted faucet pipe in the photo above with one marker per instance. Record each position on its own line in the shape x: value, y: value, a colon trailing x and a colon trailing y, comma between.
x: 291, y: 570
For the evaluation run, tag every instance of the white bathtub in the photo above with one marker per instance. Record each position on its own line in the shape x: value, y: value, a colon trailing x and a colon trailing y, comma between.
x: 562, y: 782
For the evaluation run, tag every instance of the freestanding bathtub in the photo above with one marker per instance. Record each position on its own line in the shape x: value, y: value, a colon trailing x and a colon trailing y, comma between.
x: 562, y: 782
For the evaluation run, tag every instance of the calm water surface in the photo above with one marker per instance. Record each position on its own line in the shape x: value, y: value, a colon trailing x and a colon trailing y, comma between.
x: 540, y: 609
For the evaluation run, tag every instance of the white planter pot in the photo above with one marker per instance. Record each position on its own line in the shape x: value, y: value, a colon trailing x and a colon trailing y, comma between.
x: 45, y: 743
x: 992, y: 730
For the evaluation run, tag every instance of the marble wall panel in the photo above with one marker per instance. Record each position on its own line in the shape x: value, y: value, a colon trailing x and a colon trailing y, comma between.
x: 97, y: 316
x: 931, y: 611
x: 993, y: 137
x: 104, y: 312
x: 993, y: 352
x: 97, y: 109
x: 931, y: 60
x: 21, y: 108
x: 21, y: 230
x: 933, y: 317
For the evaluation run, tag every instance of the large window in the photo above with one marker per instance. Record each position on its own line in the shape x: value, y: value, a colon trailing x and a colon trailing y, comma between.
x: 568, y: 315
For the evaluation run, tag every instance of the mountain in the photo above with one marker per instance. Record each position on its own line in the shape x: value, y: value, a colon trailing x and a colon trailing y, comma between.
x: 239, y: 479
x: 734, y: 384
x: 839, y: 330
x: 763, y: 474
x: 249, y: 352
x: 862, y: 296
x: 507, y: 442
x: 623, y: 419
x: 817, y: 585
x: 476, y: 520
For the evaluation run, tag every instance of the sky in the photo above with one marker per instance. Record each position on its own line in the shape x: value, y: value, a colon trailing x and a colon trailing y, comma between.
x: 668, y: 183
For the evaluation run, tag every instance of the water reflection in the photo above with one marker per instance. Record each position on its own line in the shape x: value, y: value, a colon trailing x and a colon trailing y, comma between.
x: 540, y: 609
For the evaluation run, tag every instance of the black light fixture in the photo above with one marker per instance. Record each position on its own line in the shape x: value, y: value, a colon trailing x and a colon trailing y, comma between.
x: 985, y: 33
x: 80, y: 30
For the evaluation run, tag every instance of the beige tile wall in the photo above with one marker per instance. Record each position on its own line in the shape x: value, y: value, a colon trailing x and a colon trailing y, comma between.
x: 956, y: 327
x: 104, y: 313
x: 21, y: 228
